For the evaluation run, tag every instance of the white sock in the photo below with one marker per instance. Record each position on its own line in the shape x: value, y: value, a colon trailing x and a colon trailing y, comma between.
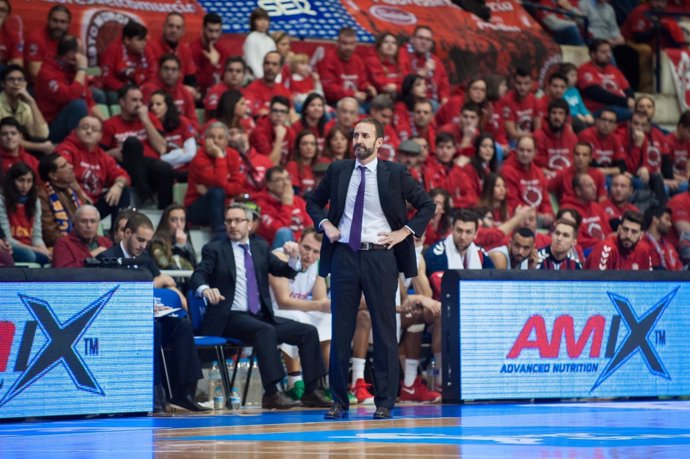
x: 292, y: 379
x: 439, y: 366
x: 357, y: 369
x: 411, y: 366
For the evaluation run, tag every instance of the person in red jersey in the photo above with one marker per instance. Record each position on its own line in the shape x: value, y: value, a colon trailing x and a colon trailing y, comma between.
x: 440, y: 224
x: 525, y: 182
x: 595, y: 221
x: 301, y: 168
x: 134, y: 139
x: 170, y: 42
x: 11, y: 149
x: 41, y: 44
x: 483, y: 162
x: 313, y: 119
x: 493, y: 198
x: 253, y: 165
x: 233, y: 111
x: 413, y: 90
x: 647, y: 155
x: 346, y: 115
x: 11, y: 36
x: 418, y: 57
x: 62, y: 89
x: 618, y: 202
x: 561, y: 184
x: 209, y: 53
x: 128, y: 61
x: 272, y: 137
x: 383, y: 65
x: 283, y: 214
x: 382, y: 111
x: 343, y: 73
x: 554, y: 90
x: 169, y: 80
x: 103, y: 181
x: 476, y: 92
x: 301, y: 79
x: 602, y: 84
x: 520, y: 107
x: 82, y: 242
x: 178, y: 131
x: 679, y: 148
x: 623, y: 251
x: 555, y: 140
x: 233, y: 78
x: 442, y: 172
x: 608, y: 154
x: 260, y: 91
x: 657, y: 224
x: 337, y: 145
x: 214, y: 179
x: 465, y: 131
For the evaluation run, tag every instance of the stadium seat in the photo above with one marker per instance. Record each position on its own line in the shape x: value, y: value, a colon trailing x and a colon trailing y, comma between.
x: 202, y: 117
x: 114, y: 109
x: 103, y: 108
x: 179, y: 190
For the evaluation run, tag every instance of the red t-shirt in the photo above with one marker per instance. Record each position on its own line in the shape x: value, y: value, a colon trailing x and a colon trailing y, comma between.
x: 526, y: 186
x: 608, y: 77
x: 40, y: 47
x: 160, y: 47
x: 554, y: 151
x: 184, y: 101
x: 11, y: 38
x: 208, y: 74
x: 56, y: 87
x: 120, y: 67
x: 276, y: 215
x: 116, y: 130
x: 523, y: 112
x: 263, y: 137
x: 678, y: 149
x: 608, y: 255
x: 22, y: 157
x: 259, y: 94
x: 605, y: 149
x: 341, y: 78
x: 302, y: 180
x: 381, y: 73
x: 595, y: 221
x: 70, y: 251
x: 437, y: 80
x: 213, y: 96
x: 223, y: 173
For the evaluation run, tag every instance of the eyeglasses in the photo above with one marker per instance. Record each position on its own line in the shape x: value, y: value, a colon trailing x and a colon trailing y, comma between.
x: 15, y: 80
x: 280, y: 111
x: 87, y: 127
x: 607, y: 120
x: 170, y: 69
x: 235, y: 221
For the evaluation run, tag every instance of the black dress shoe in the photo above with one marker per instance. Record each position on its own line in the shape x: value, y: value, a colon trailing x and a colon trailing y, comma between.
x: 188, y: 403
x: 337, y: 411
x: 279, y: 401
x: 382, y: 413
x: 315, y: 399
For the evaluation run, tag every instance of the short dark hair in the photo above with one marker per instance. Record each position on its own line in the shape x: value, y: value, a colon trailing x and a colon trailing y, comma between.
x: 60, y: 9
x: 521, y: 72
x: 471, y: 107
x: 274, y: 170
x: 524, y: 232
x: 595, y: 44
x: 12, y: 68
x: 233, y: 59
x: 212, y: 18
x: 652, y: 212
x: 67, y: 44
x: 444, y: 137
x: 137, y: 220
x: 280, y: 100
x: 11, y: 121
x: 559, y: 103
x: 168, y: 57
x: 466, y: 215
x: 257, y: 13
x: 134, y: 30
x: 557, y: 76
x: 633, y: 216
x: 684, y: 119
x: 381, y: 102
x: 377, y: 126
x: 122, y: 92
x: 46, y: 165
x: 566, y: 210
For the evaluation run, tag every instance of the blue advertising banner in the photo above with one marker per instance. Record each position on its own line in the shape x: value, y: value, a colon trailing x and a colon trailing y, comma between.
x: 545, y: 338
x: 70, y: 348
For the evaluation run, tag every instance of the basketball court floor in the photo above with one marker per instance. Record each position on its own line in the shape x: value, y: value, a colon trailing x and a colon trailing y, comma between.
x: 620, y: 429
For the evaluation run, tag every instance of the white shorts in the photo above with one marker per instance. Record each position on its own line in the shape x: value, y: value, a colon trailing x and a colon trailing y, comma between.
x: 320, y: 320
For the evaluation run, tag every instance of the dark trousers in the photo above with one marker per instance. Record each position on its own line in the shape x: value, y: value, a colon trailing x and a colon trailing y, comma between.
x: 148, y: 174
x: 265, y: 334
x: 209, y: 210
x: 375, y: 274
x: 184, y: 368
x: 105, y: 209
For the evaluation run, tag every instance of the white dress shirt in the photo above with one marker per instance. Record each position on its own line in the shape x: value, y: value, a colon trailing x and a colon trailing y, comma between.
x: 373, y: 219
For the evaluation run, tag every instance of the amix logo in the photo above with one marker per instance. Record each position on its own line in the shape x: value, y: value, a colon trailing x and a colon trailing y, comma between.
x: 637, y: 339
x: 60, y: 345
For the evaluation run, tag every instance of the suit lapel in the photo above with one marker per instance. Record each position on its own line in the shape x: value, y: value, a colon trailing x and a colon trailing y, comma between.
x: 229, y: 255
x: 383, y: 178
x: 344, y: 176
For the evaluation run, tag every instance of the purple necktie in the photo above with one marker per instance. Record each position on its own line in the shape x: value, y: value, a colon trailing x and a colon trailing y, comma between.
x: 356, y: 227
x: 253, y: 303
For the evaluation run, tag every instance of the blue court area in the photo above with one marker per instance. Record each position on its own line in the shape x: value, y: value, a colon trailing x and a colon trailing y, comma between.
x: 621, y: 429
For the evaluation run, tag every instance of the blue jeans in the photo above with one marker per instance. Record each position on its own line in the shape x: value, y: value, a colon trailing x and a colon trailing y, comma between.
x: 282, y: 236
x: 26, y: 255
x: 67, y: 120
x: 209, y: 210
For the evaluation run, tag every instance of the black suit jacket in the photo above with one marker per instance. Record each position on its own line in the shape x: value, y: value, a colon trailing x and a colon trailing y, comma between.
x: 217, y: 269
x: 143, y: 261
x: 396, y: 188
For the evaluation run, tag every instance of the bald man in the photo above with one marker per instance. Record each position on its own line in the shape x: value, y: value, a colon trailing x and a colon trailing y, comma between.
x: 82, y: 242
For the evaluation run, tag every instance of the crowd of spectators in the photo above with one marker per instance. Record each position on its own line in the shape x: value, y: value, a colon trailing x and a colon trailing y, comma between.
x: 580, y: 177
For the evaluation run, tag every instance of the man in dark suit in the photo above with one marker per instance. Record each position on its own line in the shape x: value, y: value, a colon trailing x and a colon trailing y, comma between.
x: 233, y: 278
x: 174, y: 332
x: 367, y: 218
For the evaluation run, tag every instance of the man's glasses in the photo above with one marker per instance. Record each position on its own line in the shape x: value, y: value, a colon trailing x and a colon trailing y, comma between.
x: 235, y: 221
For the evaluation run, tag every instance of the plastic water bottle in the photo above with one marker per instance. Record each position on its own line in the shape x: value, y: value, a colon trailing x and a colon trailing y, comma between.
x: 218, y: 399
x: 256, y: 389
x: 235, y: 401
x: 431, y: 373
x: 242, y: 370
x: 215, y: 386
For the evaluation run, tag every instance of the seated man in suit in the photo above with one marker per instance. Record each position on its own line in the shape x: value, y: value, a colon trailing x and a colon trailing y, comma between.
x: 233, y: 278
x: 174, y: 332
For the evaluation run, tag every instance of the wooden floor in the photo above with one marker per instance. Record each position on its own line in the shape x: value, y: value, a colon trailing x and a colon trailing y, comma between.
x: 625, y: 429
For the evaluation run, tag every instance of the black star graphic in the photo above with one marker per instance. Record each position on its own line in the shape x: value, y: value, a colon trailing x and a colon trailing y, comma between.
x: 637, y: 338
x: 60, y: 346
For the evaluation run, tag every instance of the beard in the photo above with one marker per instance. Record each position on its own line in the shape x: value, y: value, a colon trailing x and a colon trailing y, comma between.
x: 361, y: 152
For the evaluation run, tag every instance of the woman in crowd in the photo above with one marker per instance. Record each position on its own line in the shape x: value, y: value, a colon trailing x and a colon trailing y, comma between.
x: 313, y: 119
x: 171, y: 246
x: 179, y: 133
x: 439, y: 225
x: 337, y: 145
x: 232, y: 111
x: 493, y: 197
x: 301, y: 168
x: 283, y: 40
x: 414, y: 89
x: 383, y: 66
x: 483, y: 162
x: 20, y: 215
